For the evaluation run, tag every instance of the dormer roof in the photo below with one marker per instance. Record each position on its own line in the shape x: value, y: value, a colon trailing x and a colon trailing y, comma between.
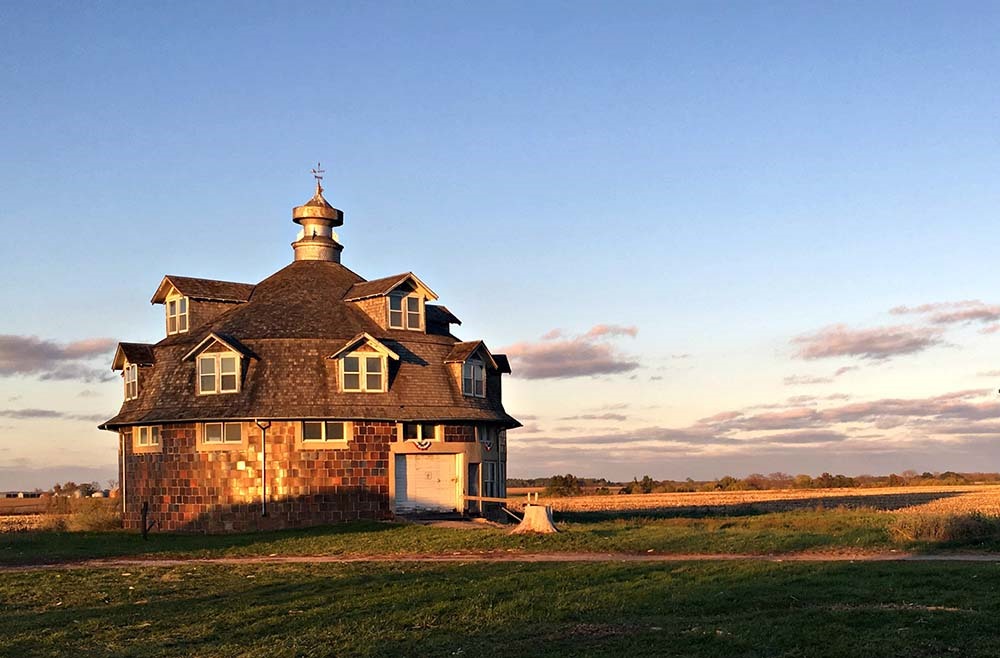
x: 213, y: 338
x: 438, y: 313
x: 384, y: 286
x: 202, y: 289
x: 461, y: 353
x: 365, y: 338
x: 140, y: 354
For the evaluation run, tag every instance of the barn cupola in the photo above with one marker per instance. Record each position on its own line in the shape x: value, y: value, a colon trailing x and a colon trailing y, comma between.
x: 317, y: 240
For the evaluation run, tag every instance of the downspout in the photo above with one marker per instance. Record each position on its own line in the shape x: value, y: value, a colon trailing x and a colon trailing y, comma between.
x: 263, y: 427
x: 121, y: 485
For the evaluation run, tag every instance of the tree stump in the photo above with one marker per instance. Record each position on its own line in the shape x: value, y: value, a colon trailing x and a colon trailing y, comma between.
x: 537, y: 518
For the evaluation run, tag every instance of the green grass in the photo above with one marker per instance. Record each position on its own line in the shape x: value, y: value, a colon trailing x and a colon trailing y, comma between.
x: 722, y: 609
x: 766, y: 533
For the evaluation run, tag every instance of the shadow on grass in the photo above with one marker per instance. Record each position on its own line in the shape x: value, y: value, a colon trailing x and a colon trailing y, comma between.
x: 43, y: 547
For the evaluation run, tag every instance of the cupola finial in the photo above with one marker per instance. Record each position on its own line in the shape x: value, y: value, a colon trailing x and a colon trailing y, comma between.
x: 318, y: 175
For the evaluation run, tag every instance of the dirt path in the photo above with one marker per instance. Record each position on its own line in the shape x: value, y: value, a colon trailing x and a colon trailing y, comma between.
x: 465, y: 558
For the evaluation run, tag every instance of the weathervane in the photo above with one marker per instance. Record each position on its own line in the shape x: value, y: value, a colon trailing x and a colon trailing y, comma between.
x: 318, y: 175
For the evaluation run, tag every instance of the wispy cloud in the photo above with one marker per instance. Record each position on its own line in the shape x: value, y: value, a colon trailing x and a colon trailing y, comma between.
x: 806, y: 380
x: 559, y: 356
x: 604, y: 416
x: 49, y: 360
x: 50, y: 414
x: 877, y: 343
x: 961, y: 312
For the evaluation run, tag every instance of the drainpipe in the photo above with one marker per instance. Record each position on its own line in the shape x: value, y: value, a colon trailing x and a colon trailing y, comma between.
x: 263, y: 427
x: 121, y: 485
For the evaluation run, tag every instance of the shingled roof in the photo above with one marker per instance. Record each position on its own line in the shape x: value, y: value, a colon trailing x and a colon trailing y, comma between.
x: 140, y: 354
x: 384, y: 286
x: 203, y: 289
x: 294, y: 319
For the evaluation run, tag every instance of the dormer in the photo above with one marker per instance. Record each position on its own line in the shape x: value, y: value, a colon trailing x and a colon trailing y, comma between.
x: 395, y: 302
x: 219, y: 363
x: 129, y: 358
x: 363, y: 365
x: 190, y: 303
x: 476, y: 370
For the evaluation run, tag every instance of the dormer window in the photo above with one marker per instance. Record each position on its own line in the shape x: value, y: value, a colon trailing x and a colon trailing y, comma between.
x: 218, y: 373
x: 406, y: 312
x: 474, y: 378
x: 363, y: 365
x: 362, y: 372
x: 177, y: 315
x: 131, y: 375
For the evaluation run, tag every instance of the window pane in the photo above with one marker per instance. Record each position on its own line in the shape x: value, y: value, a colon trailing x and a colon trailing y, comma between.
x: 413, y: 320
x: 207, y: 365
x: 154, y: 436
x: 410, y: 431
x: 171, y: 325
x: 172, y: 307
x: 395, y: 303
x: 427, y: 432
x: 480, y: 389
x: 182, y: 304
x: 352, y: 382
x: 213, y: 432
x: 335, y: 432
x: 227, y: 365
x: 208, y: 383
x: 234, y: 432
x: 312, y: 431
x: 413, y: 304
x: 140, y: 435
x: 373, y: 364
x: 467, y: 387
x: 373, y: 382
x: 182, y: 323
x: 352, y: 364
x: 396, y: 319
x: 228, y: 383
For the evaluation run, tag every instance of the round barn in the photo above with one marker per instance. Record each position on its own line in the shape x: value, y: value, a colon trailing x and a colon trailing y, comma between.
x: 314, y: 396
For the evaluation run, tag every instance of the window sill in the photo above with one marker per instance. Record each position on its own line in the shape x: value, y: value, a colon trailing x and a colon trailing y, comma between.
x: 324, y: 445
x: 146, y: 450
x: 221, y: 447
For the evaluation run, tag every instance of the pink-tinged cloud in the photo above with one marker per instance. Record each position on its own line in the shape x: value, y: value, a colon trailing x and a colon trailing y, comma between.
x: 962, y: 312
x: 604, y: 416
x: 559, y: 357
x: 600, y: 330
x: 878, y: 343
x: 30, y: 355
x: 805, y: 380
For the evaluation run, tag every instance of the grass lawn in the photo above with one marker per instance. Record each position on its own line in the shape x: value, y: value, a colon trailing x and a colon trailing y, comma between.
x: 719, y: 609
x: 837, y: 529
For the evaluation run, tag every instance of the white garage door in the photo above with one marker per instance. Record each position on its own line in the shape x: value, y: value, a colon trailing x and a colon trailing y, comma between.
x: 425, y: 482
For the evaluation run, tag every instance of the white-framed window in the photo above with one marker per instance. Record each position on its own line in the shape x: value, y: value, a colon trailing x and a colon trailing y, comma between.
x: 222, y: 433
x: 218, y: 373
x: 146, y: 436
x: 419, y: 432
x: 406, y: 312
x: 474, y: 378
x: 326, y: 430
x: 490, y: 479
x: 362, y: 372
x: 131, y: 375
x: 177, y: 315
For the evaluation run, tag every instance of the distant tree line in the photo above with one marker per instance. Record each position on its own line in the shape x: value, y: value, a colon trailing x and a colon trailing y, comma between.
x: 571, y: 485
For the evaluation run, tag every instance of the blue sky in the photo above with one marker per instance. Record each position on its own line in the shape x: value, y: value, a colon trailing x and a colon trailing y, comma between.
x: 716, y: 185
